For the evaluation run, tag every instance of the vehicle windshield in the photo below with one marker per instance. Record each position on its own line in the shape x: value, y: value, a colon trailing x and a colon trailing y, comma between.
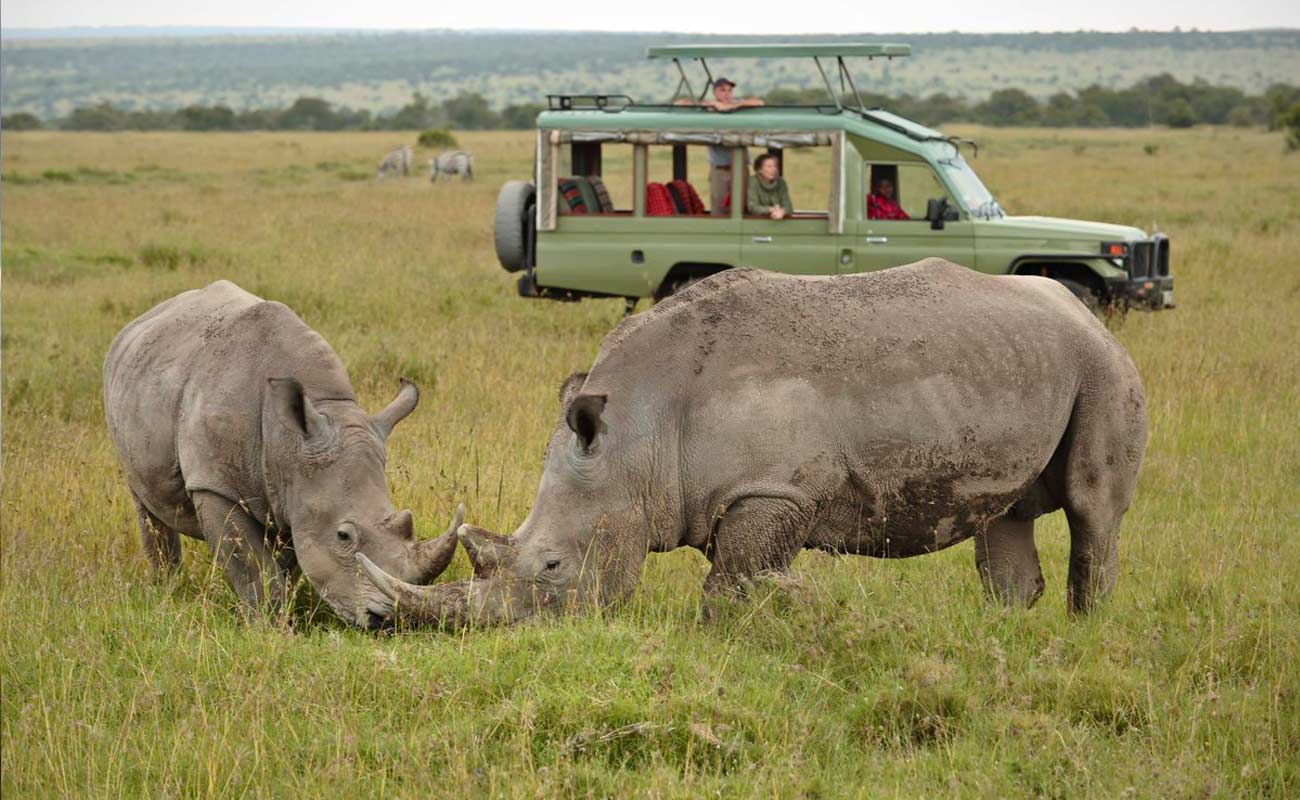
x: 970, y: 189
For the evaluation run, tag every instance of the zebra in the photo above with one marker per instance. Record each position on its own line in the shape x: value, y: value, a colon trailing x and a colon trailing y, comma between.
x: 452, y: 162
x: 398, y: 160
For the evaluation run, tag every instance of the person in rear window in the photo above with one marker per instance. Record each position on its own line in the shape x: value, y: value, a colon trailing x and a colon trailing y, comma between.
x: 881, y: 203
x: 768, y: 196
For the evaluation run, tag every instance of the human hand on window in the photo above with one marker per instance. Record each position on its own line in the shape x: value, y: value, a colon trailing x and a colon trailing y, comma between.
x: 777, y: 212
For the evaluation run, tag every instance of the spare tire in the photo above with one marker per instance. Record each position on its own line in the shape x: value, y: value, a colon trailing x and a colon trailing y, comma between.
x: 511, y: 223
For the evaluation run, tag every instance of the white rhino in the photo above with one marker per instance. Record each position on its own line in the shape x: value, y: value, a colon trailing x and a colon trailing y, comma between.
x: 235, y: 423
x: 888, y: 414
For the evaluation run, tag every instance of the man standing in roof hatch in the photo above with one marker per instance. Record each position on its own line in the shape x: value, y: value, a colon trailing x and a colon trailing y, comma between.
x: 720, y: 160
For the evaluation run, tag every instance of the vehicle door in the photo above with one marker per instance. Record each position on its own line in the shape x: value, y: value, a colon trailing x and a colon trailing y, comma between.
x: 882, y: 243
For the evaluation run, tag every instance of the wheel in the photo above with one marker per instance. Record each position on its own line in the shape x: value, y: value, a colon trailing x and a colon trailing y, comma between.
x: 510, y: 224
x: 1085, y: 294
x: 670, y: 288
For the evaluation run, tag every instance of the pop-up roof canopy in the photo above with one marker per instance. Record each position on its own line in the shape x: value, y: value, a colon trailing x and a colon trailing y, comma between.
x: 816, y: 51
x: 811, y: 50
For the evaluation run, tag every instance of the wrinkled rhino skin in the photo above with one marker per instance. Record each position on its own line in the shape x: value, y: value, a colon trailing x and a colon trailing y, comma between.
x: 236, y: 423
x: 888, y: 414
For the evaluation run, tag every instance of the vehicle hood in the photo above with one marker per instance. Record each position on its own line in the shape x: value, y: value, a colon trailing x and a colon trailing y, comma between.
x: 1055, y: 228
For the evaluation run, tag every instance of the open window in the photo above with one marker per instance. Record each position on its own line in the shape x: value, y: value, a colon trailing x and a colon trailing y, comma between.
x: 901, y: 191
x: 810, y: 174
x: 677, y: 162
x: 678, y: 178
x: 594, y: 178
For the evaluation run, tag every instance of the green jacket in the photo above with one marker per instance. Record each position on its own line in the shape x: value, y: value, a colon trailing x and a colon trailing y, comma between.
x: 763, y: 195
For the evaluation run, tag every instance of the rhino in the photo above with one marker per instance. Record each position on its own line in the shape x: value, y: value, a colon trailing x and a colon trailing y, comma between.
x: 452, y: 162
x: 235, y: 423
x: 887, y: 414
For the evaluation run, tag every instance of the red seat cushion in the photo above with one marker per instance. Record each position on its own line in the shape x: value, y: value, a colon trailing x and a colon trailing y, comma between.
x: 658, y: 203
x: 690, y: 198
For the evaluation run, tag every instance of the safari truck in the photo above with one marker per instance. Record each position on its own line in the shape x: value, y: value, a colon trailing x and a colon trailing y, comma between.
x: 613, y: 209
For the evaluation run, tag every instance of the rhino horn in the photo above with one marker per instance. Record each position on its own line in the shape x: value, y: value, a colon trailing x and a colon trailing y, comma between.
x: 487, y: 551
x: 432, y: 556
x: 408, y: 396
x: 444, y: 604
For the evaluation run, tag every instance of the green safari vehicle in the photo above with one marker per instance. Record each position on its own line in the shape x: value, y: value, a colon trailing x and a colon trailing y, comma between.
x: 631, y: 200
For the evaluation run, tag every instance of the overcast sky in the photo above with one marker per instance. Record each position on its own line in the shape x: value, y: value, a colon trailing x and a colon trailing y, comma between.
x: 761, y: 16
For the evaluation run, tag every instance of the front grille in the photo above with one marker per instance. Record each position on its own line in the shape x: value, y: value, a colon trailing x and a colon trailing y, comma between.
x: 1140, y: 260
x: 1162, y: 257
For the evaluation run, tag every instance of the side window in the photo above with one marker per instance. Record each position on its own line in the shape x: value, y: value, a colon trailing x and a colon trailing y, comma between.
x: 678, y: 181
x: 807, y: 171
x: 616, y: 172
x: 594, y: 178
x: 901, y: 191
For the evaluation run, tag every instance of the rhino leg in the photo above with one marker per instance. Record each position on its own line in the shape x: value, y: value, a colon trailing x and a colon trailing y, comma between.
x: 1008, y: 561
x: 239, y: 548
x: 161, y: 543
x: 753, y: 535
x: 1097, y: 477
x: 1094, y: 560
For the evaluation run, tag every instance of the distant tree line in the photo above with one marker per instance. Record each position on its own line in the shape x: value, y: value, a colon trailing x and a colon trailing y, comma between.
x: 466, y: 111
x: 1160, y: 100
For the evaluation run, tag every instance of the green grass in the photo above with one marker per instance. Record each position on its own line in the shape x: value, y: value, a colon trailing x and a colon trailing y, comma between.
x: 854, y: 677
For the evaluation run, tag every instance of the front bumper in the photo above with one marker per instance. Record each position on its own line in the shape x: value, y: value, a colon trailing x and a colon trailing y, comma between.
x: 1149, y: 283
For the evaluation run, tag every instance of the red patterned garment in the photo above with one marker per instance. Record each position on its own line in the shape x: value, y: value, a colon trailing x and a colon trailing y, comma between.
x: 880, y: 207
x: 691, y: 198
x: 658, y: 203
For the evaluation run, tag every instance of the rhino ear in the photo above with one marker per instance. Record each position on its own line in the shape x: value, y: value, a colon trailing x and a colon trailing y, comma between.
x: 583, y: 417
x: 408, y: 397
x: 286, y: 403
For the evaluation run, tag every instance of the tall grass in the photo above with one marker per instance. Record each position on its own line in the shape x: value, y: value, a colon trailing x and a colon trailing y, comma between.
x: 855, y: 677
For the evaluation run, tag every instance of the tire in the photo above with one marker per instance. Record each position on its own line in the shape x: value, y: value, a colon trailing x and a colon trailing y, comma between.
x: 1085, y: 294
x: 511, y: 222
x: 670, y: 288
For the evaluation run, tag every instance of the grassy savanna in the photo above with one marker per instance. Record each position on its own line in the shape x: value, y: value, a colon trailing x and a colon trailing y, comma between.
x: 855, y: 677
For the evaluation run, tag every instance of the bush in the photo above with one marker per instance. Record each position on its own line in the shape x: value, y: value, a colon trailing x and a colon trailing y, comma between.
x: 1241, y: 117
x: 437, y: 137
x: 1178, y: 113
x: 1291, y: 123
x: 520, y: 117
x: 22, y: 121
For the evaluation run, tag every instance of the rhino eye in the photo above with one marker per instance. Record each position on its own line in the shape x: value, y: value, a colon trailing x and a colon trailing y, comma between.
x: 344, y: 536
x: 553, y: 564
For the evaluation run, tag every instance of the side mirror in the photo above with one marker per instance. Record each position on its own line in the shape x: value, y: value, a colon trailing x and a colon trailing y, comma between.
x: 934, y: 208
x: 938, y: 211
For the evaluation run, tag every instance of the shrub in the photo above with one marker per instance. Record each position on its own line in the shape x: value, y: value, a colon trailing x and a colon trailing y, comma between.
x: 1291, y: 123
x: 22, y: 121
x: 437, y: 137
x: 1241, y: 117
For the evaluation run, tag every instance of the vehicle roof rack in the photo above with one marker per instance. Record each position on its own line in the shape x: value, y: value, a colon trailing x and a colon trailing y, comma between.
x: 587, y: 102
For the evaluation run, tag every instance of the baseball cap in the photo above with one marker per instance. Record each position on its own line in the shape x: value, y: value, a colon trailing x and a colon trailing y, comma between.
x: 719, y: 81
